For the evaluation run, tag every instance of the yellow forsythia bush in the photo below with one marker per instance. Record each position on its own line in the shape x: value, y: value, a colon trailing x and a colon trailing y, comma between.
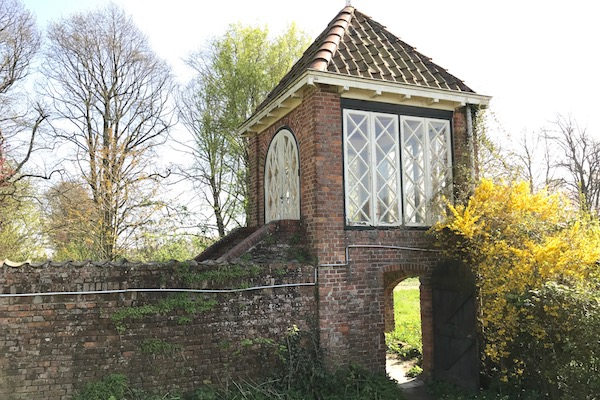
x: 516, y: 243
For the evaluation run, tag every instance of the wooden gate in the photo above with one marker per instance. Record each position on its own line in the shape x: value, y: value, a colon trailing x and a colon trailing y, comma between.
x: 455, y: 347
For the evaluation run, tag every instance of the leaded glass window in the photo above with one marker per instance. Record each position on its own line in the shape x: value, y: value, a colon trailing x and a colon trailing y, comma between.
x: 372, y: 165
x: 396, y: 172
x: 426, y: 169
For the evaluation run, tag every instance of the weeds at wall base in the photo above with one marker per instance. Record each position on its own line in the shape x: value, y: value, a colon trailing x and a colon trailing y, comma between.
x: 348, y: 384
x: 300, y: 376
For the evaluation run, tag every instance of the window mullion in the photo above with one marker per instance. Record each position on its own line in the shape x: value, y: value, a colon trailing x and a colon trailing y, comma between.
x: 401, y: 169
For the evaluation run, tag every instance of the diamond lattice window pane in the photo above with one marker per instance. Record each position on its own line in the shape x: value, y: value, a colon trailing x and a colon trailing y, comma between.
x: 377, y: 159
x: 387, y: 207
x: 358, y: 168
x: 414, y: 170
x: 439, y: 167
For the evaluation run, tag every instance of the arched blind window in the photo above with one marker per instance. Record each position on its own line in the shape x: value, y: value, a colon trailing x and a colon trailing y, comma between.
x: 282, y: 183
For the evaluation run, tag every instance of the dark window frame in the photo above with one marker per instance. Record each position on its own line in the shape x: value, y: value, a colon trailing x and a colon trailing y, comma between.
x: 399, y: 110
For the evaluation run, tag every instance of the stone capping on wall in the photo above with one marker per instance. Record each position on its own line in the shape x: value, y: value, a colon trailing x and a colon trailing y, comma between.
x: 224, y: 244
x: 10, y: 289
x: 85, y: 263
x: 247, y: 243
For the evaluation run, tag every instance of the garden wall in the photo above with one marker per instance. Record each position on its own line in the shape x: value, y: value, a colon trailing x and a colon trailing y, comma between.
x: 50, y: 346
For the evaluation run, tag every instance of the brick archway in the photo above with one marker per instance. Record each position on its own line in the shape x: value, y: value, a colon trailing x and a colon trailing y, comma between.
x: 394, y: 274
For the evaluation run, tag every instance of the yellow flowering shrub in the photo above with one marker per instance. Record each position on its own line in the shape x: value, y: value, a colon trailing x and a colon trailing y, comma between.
x: 517, y: 243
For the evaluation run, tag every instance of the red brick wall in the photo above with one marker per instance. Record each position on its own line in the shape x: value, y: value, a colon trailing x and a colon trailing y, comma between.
x: 51, y: 346
x: 352, y: 298
x: 317, y: 125
x: 303, y: 121
x: 352, y: 304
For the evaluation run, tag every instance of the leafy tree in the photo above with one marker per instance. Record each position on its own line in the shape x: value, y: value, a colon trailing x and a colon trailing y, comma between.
x: 112, y: 92
x: 20, y: 225
x: 233, y: 75
x: 517, y: 243
x: 72, y: 221
x: 171, y: 234
x: 166, y: 247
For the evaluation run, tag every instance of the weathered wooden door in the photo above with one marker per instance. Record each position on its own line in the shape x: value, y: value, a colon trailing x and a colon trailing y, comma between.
x: 456, y: 353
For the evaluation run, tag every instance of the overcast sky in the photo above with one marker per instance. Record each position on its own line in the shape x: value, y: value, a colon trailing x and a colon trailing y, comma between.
x: 536, y: 58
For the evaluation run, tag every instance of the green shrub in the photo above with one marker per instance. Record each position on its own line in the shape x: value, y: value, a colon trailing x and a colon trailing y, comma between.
x: 446, y: 391
x: 558, y: 341
x: 414, y: 371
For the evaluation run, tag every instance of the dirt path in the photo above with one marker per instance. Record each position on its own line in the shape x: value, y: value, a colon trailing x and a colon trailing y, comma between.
x: 413, y: 388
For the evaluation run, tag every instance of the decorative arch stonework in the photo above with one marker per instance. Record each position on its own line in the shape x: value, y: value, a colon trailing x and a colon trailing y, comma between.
x: 282, y: 178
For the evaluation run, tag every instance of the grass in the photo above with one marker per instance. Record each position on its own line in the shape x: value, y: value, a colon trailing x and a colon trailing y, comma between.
x: 405, y: 340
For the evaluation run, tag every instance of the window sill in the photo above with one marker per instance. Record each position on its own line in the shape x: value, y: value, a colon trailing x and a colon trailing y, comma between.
x: 386, y: 228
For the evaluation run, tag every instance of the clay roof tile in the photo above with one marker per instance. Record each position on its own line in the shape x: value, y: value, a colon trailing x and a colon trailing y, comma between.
x: 353, y: 44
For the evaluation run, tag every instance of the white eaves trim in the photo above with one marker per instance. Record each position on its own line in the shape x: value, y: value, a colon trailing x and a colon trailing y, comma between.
x: 275, y: 103
x: 376, y: 85
x: 312, y: 77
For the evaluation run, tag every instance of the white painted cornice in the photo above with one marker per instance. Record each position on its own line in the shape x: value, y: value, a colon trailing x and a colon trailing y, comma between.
x: 390, y: 91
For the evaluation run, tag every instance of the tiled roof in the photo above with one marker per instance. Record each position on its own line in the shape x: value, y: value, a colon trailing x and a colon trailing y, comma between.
x: 355, y: 45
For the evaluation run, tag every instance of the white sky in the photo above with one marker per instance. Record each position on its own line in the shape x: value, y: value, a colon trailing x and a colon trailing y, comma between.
x: 536, y: 58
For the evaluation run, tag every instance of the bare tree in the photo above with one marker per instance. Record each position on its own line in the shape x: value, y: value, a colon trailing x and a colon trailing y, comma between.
x: 19, y: 42
x: 536, y: 162
x: 581, y: 162
x: 215, y: 165
x: 114, y: 94
x: 492, y: 159
x: 20, y: 122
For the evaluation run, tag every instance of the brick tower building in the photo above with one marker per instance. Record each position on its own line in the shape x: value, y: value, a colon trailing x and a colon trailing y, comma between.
x: 360, y: 142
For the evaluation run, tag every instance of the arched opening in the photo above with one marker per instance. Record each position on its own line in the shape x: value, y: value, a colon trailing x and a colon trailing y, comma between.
x: 407, y: 323
x: 282, y: 181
